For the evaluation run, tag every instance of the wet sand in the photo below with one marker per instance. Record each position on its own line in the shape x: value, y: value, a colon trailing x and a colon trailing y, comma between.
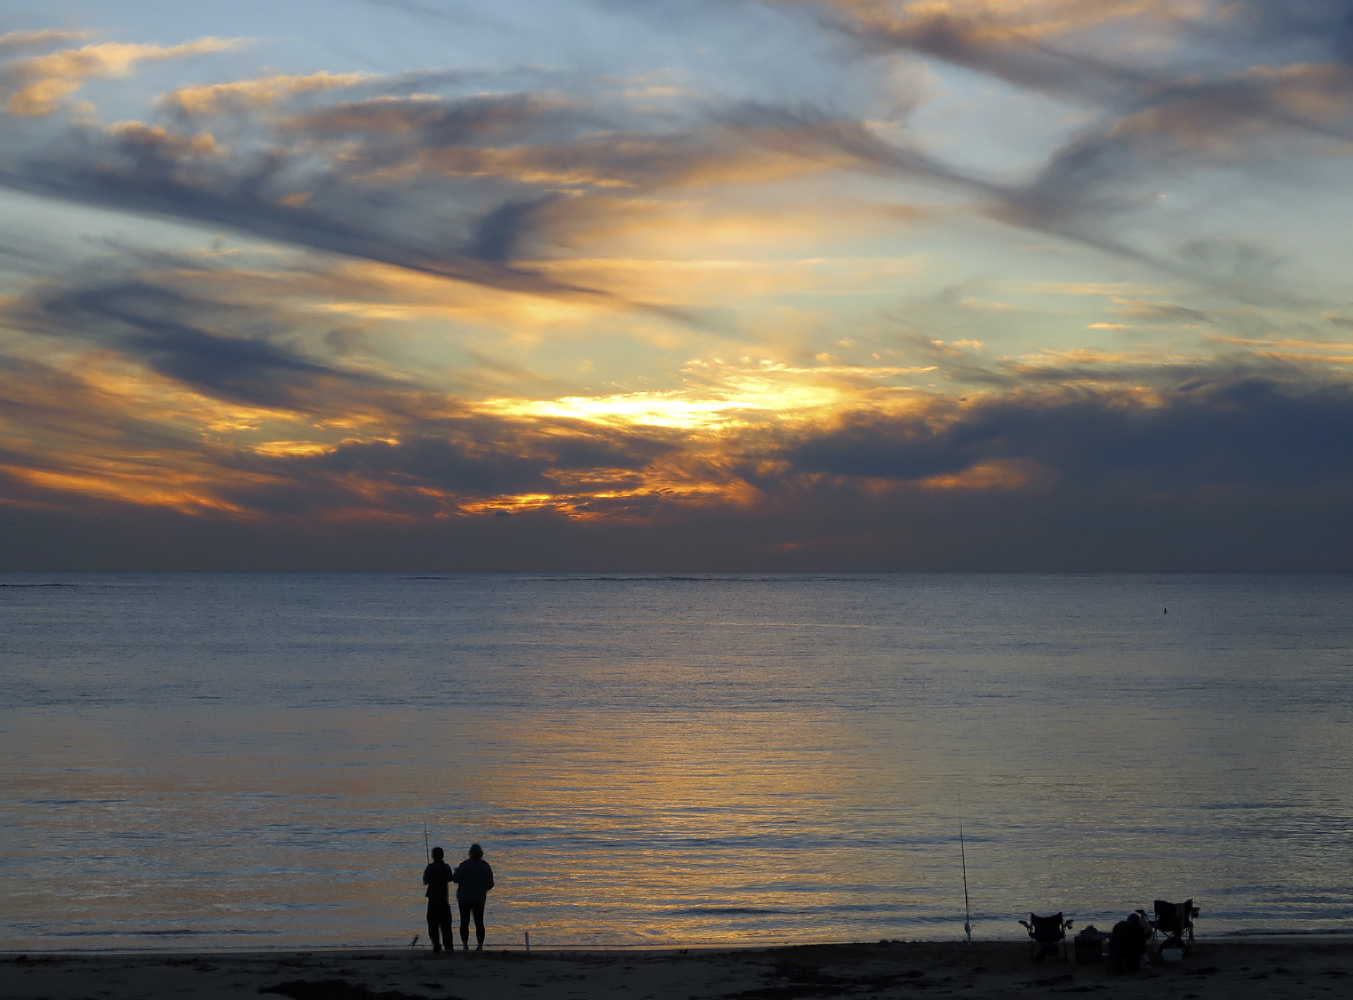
x: 1236, y: 969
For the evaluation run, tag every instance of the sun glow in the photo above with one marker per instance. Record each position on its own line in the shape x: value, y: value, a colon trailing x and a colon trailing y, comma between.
x: 734, y: 397
x: 651, y: 409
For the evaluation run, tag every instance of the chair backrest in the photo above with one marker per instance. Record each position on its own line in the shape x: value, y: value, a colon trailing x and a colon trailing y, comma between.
x: 1172, y: 918
x: 1047, y: 930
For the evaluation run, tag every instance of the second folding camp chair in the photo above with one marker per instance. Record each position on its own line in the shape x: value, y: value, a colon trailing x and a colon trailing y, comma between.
x: 1175, y: 921
x: 1045, y: 933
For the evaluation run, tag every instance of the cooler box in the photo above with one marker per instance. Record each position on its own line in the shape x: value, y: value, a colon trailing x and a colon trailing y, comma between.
x: 1088, y: 949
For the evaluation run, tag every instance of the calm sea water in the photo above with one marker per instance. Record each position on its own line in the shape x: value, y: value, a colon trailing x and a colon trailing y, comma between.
x: 251, y: 760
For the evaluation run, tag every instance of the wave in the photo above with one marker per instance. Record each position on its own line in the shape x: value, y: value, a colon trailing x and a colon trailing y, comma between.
x: 795, y: 578
x: 167, y: 933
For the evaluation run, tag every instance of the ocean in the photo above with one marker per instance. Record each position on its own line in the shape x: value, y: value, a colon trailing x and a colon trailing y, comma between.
x: 253, y: 761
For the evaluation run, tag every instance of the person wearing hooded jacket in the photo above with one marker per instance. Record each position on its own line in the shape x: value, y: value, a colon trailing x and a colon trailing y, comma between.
x: 474, y: 879
x: 1127, y: 944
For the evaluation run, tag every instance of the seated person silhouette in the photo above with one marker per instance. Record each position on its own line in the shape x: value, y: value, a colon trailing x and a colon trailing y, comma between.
x: 1127, y: 944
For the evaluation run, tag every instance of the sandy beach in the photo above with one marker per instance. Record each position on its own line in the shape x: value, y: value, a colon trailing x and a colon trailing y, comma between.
x: 1224, y: 969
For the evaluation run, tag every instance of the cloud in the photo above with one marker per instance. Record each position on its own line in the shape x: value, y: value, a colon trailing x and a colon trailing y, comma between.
x: 148, y: 170
x: 243, y: 96
x: 1322, y: 26
x: 432, y: 121
x: 1018, y: 43
x: 1236, y: 122
x: 1071, y: 197
x: 498, y: 232
x: 1211, y: 432
x: 180, y: 367
x: 211, y: 346
x: 33, y: 86
x: 1161, y: 111
x: 1245, y: 474
x: 511, y: 178
x: 921, y: 478
x: 518, y: 176
x: 42, y: 39
x: 1077, y: 419
x: 478, y: 458
x: 1159, y: 312
x: 449, y: 466
x: 55, y: 412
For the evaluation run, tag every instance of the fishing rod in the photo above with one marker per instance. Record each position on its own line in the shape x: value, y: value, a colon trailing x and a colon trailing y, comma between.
x: 427, y: 853
x: 963, y: 858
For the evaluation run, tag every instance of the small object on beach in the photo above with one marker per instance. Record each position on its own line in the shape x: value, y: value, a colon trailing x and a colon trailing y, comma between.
x: 414, y: 941
x: 1165, y: 611
x: 1171, y: 954
x: 1088, y: 946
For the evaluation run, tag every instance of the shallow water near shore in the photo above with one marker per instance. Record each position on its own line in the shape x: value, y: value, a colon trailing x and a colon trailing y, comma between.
x: 231, y: 760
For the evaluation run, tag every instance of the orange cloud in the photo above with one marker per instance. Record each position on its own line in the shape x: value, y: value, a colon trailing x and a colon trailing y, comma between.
x: 636, y: 161
x: 252, y: 95
x: 35, y: 85
x: 1003, y: 21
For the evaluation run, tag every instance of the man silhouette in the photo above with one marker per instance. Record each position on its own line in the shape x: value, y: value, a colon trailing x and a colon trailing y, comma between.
x: 437, y: 876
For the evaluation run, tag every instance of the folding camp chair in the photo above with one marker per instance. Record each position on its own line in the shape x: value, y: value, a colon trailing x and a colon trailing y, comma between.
x: 1174, y: 920
x: 1045, y: 933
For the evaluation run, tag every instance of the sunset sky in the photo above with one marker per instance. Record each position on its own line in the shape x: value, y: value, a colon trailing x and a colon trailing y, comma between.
x: 676, y: 284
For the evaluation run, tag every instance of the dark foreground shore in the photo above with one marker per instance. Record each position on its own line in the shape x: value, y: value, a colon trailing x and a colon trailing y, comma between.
x: 1233, y: 969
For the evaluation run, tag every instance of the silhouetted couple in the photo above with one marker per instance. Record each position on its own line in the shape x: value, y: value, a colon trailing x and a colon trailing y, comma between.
x: 474, y: 879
